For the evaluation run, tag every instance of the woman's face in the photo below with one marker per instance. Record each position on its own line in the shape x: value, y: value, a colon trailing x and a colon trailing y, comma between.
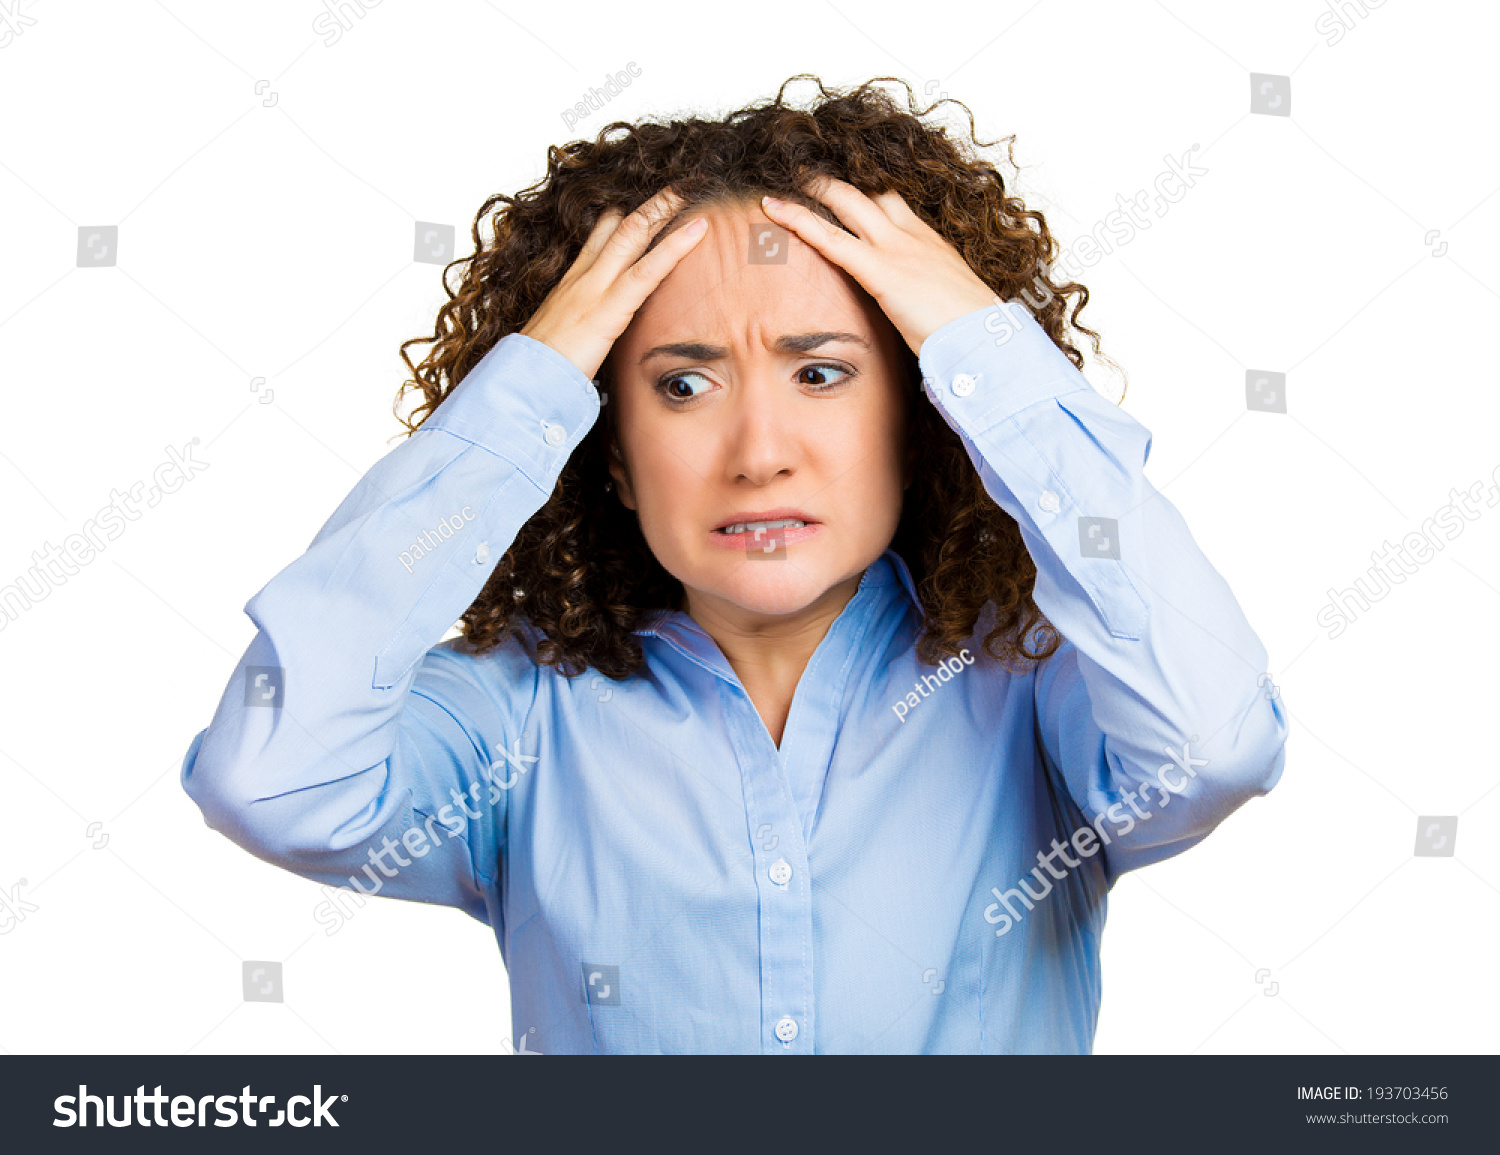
x: 790, y: 400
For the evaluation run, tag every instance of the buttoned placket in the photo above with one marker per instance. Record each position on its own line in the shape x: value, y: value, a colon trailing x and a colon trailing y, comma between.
x: 781, y: 878
x: 782, y: 788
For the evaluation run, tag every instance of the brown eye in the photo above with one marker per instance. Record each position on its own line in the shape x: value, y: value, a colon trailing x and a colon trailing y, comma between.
x: 823, y: 369
x: 668, y: 387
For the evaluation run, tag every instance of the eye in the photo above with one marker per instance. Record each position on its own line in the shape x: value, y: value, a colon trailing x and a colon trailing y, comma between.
x: 821, y: 385
x: 668, y: 386
x: 664, y: 386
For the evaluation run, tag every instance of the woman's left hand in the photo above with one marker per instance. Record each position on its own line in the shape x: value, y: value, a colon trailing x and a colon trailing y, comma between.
x: 918, y: 278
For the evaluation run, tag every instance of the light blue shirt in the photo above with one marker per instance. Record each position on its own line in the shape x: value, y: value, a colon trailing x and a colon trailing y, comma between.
x: 923, y: 864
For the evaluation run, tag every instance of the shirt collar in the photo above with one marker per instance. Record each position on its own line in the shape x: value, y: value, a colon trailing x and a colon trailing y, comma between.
x: 886, y: 579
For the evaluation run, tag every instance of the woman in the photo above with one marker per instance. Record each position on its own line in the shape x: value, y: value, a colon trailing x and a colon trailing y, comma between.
x: 794, y: 712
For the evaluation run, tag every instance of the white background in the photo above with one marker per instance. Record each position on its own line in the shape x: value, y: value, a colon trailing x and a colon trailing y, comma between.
x: 275, y: 241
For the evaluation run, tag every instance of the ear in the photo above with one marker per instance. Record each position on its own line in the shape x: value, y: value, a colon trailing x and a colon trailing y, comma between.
x: 618, y: 471
x: 615, y: 461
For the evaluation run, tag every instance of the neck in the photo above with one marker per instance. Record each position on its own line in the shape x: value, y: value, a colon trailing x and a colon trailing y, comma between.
x: 769, y: 648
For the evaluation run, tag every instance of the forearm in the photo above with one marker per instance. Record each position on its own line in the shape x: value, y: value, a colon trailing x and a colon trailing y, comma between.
x: 302, y: 752
x: 1160, y: 656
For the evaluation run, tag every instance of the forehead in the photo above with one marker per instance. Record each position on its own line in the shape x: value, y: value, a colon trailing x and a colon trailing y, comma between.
x: 736, y: 286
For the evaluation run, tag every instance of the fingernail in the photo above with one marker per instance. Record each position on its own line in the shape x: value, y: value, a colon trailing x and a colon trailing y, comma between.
x: 770, y: 202
x: 696, y: 227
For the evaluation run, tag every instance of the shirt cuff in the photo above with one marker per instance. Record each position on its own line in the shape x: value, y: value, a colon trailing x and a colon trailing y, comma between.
x: 525, y: 402
x: 1051, y: 451
x: 1027, y: 365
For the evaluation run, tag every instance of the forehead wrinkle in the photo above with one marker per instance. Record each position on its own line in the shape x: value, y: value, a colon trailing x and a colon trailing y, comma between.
x: 761, y: 292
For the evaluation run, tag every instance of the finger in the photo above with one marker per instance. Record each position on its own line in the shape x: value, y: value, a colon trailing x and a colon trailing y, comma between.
x: 900, y: 213
x: 838, y: 245
x: 860, y: 214
x: 608, y: 225
x: 641, y: 279
x: 603, y: 228
x: 593, y: 244
x: 636, y: 230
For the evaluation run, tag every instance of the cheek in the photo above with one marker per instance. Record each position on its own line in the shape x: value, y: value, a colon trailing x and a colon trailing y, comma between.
x: 883, y: 470
x: 872, y: 447
x: 664, y: 458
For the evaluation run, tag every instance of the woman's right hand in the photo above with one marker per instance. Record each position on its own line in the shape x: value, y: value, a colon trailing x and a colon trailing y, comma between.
x: 588, y: 310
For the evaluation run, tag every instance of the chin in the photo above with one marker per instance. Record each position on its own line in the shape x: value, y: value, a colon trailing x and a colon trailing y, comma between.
x: 767, y: 586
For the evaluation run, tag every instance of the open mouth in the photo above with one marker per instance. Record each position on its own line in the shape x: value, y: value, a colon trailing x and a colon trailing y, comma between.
x: 752, y: 527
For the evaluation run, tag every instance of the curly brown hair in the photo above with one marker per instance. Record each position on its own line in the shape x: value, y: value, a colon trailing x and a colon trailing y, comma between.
x: 580, y: 572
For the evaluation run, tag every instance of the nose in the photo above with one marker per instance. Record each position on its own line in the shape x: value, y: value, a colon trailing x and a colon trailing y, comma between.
x: 763, y: 438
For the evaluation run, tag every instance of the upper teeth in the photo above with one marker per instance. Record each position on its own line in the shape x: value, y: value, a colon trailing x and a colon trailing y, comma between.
x: 753, y: 526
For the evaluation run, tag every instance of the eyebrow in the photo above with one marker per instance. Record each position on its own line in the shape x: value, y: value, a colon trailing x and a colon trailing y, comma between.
x: 789, y: 343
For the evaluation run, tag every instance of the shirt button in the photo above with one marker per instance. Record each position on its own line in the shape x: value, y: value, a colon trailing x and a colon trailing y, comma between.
x: 482, y: 554
x: 786, y: 1028
x: 1048, y: 501
x: 781, y: 872
x: 556, y: 435
x: 963, y: 385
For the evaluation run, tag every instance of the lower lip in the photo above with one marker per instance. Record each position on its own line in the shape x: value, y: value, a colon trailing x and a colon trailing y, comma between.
x: 747, y: 542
